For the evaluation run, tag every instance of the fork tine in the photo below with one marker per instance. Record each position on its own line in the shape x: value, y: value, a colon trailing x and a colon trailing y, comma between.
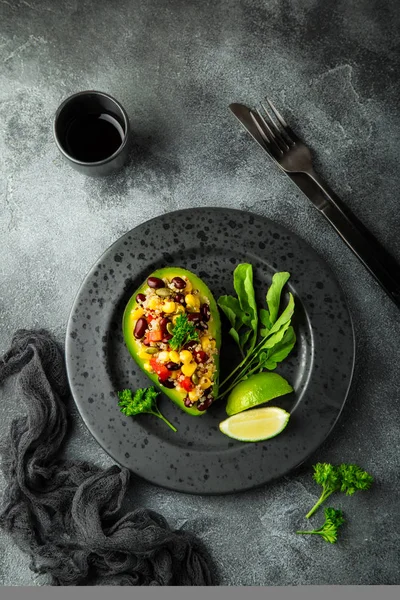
x: 273, y: 133
x: 288, y: 131
x: 287, y: 140
x: 272, y: 147
x: 277, y: 114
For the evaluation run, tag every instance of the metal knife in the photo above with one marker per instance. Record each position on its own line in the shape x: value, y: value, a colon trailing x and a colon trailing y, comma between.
x: 384, y: 268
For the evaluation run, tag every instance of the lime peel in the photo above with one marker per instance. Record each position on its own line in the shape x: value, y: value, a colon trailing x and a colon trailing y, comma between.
x: 256, y: 390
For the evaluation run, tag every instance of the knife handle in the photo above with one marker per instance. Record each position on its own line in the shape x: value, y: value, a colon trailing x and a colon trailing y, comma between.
x: 382, y: 266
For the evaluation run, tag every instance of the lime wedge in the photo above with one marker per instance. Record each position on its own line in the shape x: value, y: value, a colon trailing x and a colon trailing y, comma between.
x: 255, y: 425
x: 256, y: 390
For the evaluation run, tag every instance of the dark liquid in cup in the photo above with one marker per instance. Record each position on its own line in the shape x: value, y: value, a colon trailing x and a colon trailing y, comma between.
x: 93, y: 137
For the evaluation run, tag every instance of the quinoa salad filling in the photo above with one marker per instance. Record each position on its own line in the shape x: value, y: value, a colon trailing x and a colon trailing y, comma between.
x: 189, y: 368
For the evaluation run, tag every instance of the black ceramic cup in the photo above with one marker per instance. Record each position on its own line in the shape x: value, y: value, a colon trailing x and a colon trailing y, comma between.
x: 92, y: 132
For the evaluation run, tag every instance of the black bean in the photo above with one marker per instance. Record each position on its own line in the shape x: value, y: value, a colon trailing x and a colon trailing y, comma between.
x: 187, y: 402
x: 167, y: 383
x: 179, y: 283
x: 155, y: 282
x: 140, y: 298
x: 194, y: 317
x: 140, y: 328
x: 171, y: 366
x: 190, y: 345
x: 167, y: 337
x: 163, y: 324
x: 179, y: 298
x: 207, y: 403
x: 205, y: 312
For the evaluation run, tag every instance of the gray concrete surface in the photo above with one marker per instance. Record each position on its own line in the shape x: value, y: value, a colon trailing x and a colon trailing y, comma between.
x: 332, y: 68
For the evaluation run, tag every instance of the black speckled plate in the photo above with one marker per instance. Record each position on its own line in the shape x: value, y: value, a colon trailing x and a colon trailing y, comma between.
x: 198, y: 458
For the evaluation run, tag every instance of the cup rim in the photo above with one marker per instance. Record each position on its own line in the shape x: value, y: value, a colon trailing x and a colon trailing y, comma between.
x: 99, y: 162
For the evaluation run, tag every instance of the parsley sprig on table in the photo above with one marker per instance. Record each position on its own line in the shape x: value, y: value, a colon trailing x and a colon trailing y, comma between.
x: 329, y: 530
x: 346, y: 478
x: 142, y: 401
x: 182, y: 333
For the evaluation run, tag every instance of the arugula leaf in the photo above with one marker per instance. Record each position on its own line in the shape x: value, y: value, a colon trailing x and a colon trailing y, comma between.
x: 276, y: 348
x: 281, y: 350
x: 285, y: 316
x: 265, y: 320
x: 235, y: 335
x: 275, y: 338
x: 242, y: 311
x: 232, y: 310
x: 274, y: 294
x: 244, y: 338
x: 277, y: 335
x: 243, y: 284
x: 273, y: 298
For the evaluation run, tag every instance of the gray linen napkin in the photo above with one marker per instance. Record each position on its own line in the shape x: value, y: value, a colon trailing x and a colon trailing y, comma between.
x: 67, y: 515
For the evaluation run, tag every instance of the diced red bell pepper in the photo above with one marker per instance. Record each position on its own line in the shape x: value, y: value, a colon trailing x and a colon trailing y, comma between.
x: 154, y: 336
x: 160, y: 369
x: 187, y: 384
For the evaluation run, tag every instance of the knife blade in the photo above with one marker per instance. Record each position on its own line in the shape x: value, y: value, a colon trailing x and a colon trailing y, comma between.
x: 382, y: 265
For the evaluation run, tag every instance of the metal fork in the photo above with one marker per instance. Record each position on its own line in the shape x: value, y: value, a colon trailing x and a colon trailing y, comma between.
x: 291, y: 155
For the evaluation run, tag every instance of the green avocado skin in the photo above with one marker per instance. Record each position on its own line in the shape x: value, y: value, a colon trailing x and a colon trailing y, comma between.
x: 214, y: 329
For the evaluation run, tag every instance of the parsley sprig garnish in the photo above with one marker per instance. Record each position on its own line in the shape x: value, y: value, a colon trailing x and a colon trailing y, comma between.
x: 183, y: 332
x: 142, y: 401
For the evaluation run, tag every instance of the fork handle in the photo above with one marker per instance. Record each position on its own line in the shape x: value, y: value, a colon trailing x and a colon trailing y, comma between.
x: 384, y: 268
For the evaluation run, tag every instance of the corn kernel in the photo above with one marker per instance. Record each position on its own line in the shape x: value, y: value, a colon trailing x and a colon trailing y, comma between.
x: 147, y: 367
x: 174, y: 356
x: 185, y: 356
x: 153, y: 303
x: 188, y: 287
x: 188, y: 369
x: 205, y: 343
x: 194, y: 395
x: 192, y: 302
x: 143, y: 354
x: 205, y: 383
x: 169, y: 307
x: 174, y: 375
x: 163, y: 357
x: 137, y: 313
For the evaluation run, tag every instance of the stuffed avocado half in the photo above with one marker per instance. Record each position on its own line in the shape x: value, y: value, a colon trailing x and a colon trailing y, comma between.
x: 172, y: 329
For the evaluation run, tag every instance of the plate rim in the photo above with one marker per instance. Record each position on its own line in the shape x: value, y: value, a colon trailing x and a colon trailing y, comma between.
x: 319, y: 258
